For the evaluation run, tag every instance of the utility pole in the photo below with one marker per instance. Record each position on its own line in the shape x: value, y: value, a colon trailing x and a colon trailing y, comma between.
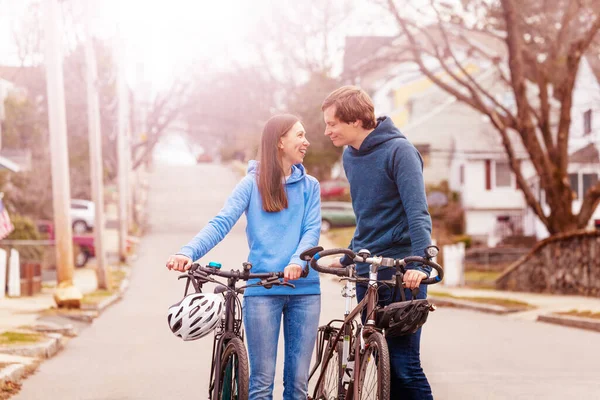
x: 122, y: 147
x: 95, y: 139
x: 66, y: 294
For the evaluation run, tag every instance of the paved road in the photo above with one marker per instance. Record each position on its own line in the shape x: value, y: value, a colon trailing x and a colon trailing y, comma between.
x: 129, y: 352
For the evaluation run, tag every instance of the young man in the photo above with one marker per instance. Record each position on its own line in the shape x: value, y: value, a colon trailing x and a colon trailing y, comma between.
x: 385, y: 172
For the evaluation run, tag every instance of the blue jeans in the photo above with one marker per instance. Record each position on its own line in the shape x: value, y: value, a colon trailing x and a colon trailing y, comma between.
x: 262, y: 320
x: 407, y: 379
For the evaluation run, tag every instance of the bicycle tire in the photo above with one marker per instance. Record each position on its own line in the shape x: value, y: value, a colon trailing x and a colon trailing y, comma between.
x: 234, y: 382
x: 331, y: 383
x: 376, y: 352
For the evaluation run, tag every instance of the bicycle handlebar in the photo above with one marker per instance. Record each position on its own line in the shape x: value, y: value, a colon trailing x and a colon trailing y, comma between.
x: 399, y: 263
x: 199, y: 275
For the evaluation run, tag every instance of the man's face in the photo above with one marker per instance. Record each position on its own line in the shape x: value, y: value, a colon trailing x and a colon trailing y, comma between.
x: 340, y: 133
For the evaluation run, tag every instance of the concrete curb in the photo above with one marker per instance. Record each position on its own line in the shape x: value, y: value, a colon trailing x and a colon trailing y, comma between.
x: 110, y: 300
x: 42, y: 350
x: 471, y: 305
x: 571, y: 321
x: 16, y: 369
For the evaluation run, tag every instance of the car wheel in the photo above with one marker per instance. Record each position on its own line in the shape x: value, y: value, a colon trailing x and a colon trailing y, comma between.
x: 81, y: 258
x: 79, y: 227
x: 325, y: 225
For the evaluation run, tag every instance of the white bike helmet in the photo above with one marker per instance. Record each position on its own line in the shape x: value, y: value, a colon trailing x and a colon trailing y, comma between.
x: 196, y: 315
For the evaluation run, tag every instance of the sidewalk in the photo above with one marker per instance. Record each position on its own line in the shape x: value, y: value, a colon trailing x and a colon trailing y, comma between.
x: 544, y: 303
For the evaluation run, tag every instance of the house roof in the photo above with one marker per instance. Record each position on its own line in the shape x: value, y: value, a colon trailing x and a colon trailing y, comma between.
x: 586, y: 155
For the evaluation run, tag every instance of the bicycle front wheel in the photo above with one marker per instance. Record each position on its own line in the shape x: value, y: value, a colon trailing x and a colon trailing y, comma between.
x: 374, y: 382
x: 234, y: 380
x: 331, y: 378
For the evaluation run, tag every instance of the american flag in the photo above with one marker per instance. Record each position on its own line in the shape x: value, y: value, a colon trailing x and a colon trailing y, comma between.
x: 6, y: 227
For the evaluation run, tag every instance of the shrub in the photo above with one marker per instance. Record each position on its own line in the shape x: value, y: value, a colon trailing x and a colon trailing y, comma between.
x: 25, y: 229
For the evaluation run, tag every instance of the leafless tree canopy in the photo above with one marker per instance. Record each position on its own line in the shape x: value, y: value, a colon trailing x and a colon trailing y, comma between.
x: 535, y: 48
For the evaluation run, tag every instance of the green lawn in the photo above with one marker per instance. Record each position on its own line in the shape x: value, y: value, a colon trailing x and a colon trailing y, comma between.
x: 8, y: 338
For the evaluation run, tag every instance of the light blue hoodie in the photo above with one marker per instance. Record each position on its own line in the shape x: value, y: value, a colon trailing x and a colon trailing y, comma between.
x: 275, y: 239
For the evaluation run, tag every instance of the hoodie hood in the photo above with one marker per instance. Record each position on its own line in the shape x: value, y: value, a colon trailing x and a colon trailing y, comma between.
x: 384, y: 131
x: 298, y: 171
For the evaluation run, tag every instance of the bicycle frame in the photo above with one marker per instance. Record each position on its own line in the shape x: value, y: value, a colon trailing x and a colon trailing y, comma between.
x: 223, y: 335
x: 355, y: 341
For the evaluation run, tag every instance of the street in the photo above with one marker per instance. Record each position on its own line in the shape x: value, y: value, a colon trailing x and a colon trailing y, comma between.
x: 129, y: 352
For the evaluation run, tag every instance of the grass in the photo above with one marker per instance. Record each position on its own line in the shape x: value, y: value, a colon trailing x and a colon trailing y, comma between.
x: 117, y: 275
x: 509, y: 303
x: 481, y: 279
x: 16, y: 338
x: 96, y: 296
x: 584, y: 314
x: 341, y: 237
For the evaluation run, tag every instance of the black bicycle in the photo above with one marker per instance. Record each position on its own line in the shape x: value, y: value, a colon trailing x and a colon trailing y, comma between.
x: 229, y: 377
x: 352, y: 360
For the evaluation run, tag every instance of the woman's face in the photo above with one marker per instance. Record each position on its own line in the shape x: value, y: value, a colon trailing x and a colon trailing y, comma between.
x: 293, y: 145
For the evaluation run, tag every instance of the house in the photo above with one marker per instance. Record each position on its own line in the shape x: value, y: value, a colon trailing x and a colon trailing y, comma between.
x: 460, y: 146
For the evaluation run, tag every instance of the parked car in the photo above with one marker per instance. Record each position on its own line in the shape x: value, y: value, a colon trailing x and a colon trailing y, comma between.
x: 334, y: 188
x: 83, y: 244
x: 82, y: 215
x: 336, y: 214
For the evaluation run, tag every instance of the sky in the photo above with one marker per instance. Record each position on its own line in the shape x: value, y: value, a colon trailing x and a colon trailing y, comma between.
x: 164, y: 38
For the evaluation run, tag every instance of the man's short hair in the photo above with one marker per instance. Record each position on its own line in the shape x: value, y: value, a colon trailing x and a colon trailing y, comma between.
x: 352, y: 104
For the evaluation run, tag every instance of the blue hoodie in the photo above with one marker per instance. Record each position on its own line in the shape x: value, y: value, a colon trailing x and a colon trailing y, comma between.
x: 275, y: 239
x: 388, y: 195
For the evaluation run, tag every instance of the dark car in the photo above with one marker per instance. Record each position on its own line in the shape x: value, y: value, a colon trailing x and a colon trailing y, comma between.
x: 336, y: 214
x: 83, y: 244
x: 334, y: 188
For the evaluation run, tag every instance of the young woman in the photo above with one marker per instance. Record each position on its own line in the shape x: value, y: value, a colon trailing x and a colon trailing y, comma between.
x: 283, y: 212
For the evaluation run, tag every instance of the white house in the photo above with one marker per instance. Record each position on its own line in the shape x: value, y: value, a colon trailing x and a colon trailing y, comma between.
x: 460, y: 146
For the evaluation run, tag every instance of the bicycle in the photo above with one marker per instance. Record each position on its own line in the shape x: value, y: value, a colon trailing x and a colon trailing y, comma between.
x: 343, y: 344
x: 229, y: 377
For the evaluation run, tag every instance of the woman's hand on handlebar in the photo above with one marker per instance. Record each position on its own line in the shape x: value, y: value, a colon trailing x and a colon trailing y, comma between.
x: 179, y: 262
x: 292, y: 272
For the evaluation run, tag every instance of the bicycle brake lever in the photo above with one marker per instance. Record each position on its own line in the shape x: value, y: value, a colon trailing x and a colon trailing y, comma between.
x: 288, y: 284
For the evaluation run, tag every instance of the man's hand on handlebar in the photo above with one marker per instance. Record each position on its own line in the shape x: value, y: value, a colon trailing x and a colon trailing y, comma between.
x: 413, y: 277
x: 179, y: 262
x: 336, y: 263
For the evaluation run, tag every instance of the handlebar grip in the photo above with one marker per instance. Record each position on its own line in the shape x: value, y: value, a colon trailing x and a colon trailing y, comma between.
x: 436, y: 266
x: 314, y: 262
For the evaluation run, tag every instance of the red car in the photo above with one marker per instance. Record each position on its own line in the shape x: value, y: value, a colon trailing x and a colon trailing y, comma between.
x: 83, y: 243
x: 334, y: 188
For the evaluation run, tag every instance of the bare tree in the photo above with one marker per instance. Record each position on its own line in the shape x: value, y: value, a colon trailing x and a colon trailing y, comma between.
x: 535, y: 48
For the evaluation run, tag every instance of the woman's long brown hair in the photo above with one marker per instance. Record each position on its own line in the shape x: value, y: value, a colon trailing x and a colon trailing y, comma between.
x: 270, y: 173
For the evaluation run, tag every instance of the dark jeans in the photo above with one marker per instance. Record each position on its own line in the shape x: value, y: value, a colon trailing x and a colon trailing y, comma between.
x: 407, y: 379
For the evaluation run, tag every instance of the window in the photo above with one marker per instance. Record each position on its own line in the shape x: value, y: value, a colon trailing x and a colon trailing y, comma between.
x: 587, y: 122
x: 425, y: 151
x: 589, y: 180
x: 574, y: 182
x: 503, y: 174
